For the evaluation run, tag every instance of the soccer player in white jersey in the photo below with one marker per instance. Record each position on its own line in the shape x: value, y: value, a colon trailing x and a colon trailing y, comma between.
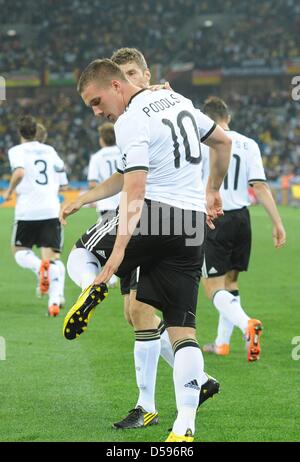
x: 35, y: 177
x: 63, y: 185
x: 227, y: 247
x: 160, y: 224
x: 149, y: 329
x: 101, y: 166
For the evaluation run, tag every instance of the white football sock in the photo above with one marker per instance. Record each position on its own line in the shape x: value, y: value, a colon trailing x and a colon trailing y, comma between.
x: 225, y: 329
x: 83, y: 267
x: 188, y: 376
x: 230, y: 308
x: 62, y: 275
x: 54, y: 284
x: 28, y: 260
x: 166, y: 350
x: 146, y: 356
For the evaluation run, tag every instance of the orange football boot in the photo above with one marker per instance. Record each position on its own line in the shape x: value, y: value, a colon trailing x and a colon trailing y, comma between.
x: 53, y: 310
x: 221, y: 350
x: 253, y: 333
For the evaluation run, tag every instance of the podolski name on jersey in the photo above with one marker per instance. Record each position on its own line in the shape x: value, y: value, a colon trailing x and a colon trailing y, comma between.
x: 161, y: 104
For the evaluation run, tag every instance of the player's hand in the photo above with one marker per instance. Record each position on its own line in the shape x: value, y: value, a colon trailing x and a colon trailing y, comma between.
x: 6, y: 195
x: 279, y: 236
x: 213, y: 207
x: 160, y: 86
x: 69, y: 209
x: 110, y: 267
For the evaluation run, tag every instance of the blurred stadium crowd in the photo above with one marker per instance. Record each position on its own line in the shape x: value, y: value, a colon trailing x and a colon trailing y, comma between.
x: 66, y: 35
x: 93, y: 28
x: 71, y: 130
x: 271, y: 119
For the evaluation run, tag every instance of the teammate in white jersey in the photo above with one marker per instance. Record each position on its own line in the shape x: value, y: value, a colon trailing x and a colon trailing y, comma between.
x: 227, y: 247
x: 149, y: 329
x: 36, y: 178
x: 63, y: 185
x: 61, y: 177
x: 101, y: 166
x: 160, y: 225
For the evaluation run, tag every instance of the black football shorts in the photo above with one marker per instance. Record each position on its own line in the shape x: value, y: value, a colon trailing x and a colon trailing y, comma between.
x: 228, y: 246
x: 42, y: 233
x: 168, y: 248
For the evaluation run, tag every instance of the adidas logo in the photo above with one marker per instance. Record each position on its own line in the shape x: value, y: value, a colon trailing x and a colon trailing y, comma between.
x: 212, y: 271
x: 193, y: 384
x: 101, y: 253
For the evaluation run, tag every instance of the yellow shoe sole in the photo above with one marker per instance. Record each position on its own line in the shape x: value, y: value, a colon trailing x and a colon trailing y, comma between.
x: 79, y: 315
x: 173, y: 438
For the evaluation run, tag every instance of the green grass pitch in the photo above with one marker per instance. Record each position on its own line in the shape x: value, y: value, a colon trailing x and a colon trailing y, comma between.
x: 52, y: 389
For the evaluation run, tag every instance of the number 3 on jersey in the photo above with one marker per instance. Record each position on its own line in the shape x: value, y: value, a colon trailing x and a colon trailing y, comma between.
x: 43, y: 177
x: 185, y: 136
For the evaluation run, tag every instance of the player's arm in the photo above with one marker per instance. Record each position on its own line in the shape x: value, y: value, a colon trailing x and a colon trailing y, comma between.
x: 257, y: 179
x: 133, y: 139
x: 219, y: 158
x: 264, y: 196
x: 107, y: 188
x: 215, y: 137
x: 92, y: 184
x: 130, y: 210
x: 16, y: 178
x: 131, y: 204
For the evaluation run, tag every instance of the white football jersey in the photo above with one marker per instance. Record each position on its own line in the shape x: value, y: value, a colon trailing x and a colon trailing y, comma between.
x: 62, y: 179
x: 37, y: 193
x: 102, y: 165
x: 245, y: 167
x: 160, y: 132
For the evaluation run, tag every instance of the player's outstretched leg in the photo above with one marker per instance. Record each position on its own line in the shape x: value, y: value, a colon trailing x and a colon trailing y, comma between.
x: 83, y: 267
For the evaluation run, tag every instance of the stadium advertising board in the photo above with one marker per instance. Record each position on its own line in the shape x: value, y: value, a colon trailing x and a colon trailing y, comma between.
x: 22, y: 79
